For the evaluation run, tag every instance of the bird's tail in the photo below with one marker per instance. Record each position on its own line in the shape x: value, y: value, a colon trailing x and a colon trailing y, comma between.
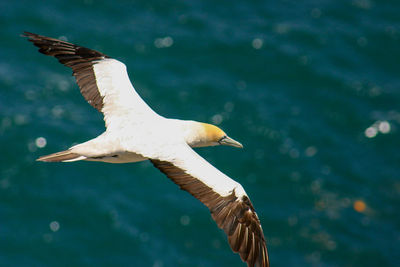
x: 63, y: 156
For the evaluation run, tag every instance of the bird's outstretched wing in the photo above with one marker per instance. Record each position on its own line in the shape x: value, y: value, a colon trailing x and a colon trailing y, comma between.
x: 229, y: 204
x: 103, y: 81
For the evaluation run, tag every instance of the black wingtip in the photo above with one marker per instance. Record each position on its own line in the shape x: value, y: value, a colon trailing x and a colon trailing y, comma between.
x: 29, y: 34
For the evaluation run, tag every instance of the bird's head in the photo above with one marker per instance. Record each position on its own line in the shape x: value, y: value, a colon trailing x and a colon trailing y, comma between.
x: 210, y: 135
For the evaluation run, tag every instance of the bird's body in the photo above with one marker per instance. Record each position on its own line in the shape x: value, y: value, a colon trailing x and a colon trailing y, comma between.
x: 134, y: 132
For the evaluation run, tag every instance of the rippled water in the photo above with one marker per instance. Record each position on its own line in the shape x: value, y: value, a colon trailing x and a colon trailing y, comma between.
x: 311, y: 89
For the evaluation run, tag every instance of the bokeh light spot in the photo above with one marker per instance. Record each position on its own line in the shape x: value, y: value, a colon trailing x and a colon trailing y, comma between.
x: 163, y: 42
x: 217, y: 119
x: 384, y: 127
x: 40, y: 142
x: 257, y: 43
x: 54, y: 226
x: 359, y: 206
x: 371, y: 132
x: 311, y: 151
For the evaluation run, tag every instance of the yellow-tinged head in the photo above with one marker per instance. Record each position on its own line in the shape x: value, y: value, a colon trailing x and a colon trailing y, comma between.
x: 199, y: 134
x: 214, y: 136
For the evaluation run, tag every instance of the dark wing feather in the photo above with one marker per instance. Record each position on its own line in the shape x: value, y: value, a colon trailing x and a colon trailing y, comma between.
x: 79, y: 59
x: 235, y: 216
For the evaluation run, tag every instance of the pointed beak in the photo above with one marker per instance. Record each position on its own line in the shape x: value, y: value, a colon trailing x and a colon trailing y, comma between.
x: 227, y: 141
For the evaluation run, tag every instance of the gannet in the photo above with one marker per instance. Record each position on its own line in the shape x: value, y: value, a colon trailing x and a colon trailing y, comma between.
x: 134, y: 132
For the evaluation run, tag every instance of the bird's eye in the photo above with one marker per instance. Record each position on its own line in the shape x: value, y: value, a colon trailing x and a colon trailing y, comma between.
x: 222, y: 138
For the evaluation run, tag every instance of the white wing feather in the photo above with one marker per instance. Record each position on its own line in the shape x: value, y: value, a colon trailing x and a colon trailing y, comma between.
x: 120, y: 99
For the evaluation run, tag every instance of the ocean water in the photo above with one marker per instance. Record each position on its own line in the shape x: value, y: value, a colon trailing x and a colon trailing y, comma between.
x: 311, y: 88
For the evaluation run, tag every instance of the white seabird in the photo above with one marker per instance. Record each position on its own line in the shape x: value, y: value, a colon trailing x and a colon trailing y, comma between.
x: 134, y: 132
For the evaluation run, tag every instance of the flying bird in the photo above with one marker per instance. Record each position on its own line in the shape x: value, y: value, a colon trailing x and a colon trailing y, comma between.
x: 134, y: 132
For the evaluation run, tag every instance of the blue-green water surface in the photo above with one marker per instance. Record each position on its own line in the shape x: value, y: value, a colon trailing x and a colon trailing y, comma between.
x: 311, y: 88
